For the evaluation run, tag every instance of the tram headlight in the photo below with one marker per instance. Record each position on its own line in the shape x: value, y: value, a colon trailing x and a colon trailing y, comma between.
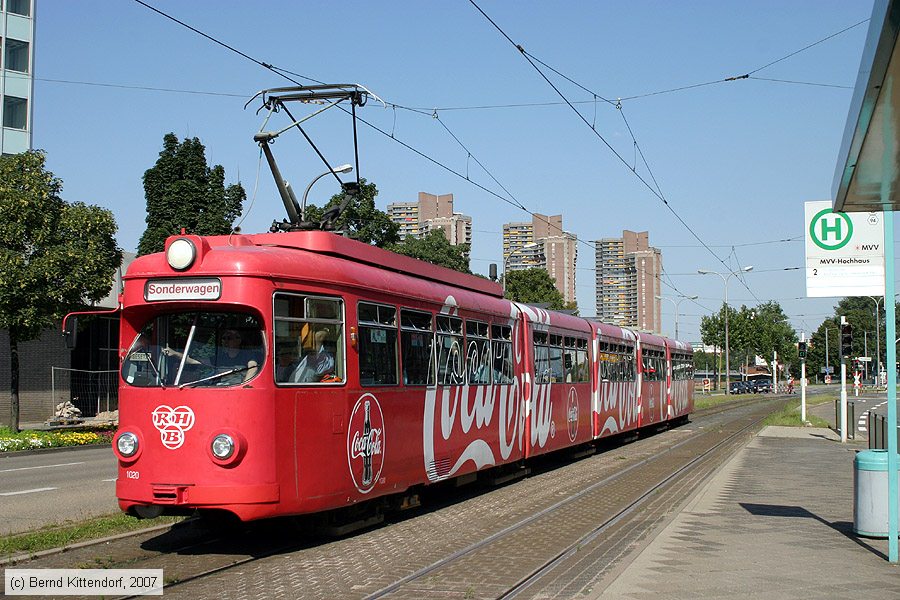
x: 127, y: 444
x: 222, y: 446
x: 181, y: 254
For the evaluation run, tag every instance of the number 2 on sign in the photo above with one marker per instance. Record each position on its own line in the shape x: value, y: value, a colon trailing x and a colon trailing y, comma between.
x: 815, y: 271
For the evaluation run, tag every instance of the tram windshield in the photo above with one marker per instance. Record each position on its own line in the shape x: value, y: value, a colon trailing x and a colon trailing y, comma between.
x: 195, y: 349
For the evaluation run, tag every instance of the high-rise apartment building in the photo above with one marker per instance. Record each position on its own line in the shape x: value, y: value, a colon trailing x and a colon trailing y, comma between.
x: 431, y: 212
x: 542, y: 243
x: 628, y: 281
x: 16, y: 74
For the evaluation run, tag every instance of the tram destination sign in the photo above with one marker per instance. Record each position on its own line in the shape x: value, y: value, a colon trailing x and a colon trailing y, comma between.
x: 157, y: 290
x: 844, y: 252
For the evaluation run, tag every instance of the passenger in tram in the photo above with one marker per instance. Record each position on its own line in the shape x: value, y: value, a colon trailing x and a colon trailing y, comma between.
x: 317, y: 366
x: 230, y: 356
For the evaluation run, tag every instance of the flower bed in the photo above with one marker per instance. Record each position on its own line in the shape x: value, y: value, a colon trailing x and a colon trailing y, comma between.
x: 32, y: 440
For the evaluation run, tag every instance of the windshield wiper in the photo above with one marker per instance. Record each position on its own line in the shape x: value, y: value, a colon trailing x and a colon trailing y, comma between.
x: 218, y: 375
x: 159, y: 377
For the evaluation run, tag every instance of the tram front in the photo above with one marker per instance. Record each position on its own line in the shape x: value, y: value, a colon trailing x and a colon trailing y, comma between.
x: 196, y: 419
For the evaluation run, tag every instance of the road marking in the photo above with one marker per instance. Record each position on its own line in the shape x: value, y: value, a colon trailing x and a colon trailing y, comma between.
x: 41, y: 467
x: 113, y: 479
x: 27, y: 491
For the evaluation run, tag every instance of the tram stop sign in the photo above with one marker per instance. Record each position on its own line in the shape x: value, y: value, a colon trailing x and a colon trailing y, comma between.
x: 844, y: 252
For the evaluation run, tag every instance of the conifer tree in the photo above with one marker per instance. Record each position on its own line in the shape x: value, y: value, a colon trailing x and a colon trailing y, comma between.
x: 182, y: 191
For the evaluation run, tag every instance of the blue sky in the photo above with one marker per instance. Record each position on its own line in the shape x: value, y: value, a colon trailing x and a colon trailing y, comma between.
x: 735, y: 160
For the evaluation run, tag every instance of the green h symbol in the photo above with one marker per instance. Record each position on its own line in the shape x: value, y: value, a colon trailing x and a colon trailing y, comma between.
x: 836, y: 228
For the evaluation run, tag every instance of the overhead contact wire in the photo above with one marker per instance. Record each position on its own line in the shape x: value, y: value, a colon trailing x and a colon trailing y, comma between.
x: 605, y: 142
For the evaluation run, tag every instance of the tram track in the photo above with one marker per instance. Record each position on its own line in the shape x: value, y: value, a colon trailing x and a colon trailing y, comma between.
x: 331, y: 565
x: 153, y: 529
x: 521, y: 586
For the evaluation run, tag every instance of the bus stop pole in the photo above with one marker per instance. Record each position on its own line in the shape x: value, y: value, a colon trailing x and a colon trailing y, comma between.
x: 891, y: 334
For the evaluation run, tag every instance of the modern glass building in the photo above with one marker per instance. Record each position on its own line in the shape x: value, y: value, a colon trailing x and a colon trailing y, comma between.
x: 16, y: 74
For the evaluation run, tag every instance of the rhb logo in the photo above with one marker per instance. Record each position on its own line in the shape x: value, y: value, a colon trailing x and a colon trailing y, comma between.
x: 172, y: 423
x: 365, y: 443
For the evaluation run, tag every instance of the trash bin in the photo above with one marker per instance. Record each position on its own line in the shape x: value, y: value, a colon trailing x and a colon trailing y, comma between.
x: 870, y: 486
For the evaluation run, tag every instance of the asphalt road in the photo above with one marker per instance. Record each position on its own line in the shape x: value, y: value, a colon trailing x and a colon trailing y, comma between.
x: 52, y: 487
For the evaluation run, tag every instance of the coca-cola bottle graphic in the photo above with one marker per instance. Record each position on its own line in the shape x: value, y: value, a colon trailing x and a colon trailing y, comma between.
x: 367, y: 447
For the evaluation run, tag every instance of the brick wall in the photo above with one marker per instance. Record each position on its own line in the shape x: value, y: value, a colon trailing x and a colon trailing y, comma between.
x: 36, y: 357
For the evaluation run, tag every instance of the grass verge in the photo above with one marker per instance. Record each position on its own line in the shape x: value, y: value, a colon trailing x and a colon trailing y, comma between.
x: 702, y: 401
x: 789, y: 416
x: 60, y: 536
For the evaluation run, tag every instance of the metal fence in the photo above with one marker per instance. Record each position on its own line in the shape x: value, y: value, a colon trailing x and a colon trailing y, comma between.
x: 877, y: 428
x: 851, y: 419
x: 92, y: 392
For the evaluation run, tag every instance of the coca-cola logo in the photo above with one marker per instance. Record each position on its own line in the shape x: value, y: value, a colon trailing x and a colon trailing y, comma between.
x: 172, y: 423
x: 572, y: 414
x: 365, y: 443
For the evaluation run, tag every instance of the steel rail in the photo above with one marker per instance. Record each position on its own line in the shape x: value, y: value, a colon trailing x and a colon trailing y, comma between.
x: 533, y: 577
x: 470, y: 549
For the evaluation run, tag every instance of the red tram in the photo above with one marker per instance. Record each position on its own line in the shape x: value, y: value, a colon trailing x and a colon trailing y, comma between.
x: 291, y: 373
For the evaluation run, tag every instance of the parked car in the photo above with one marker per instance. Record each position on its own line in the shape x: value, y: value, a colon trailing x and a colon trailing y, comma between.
x: 738, y: 387
x: 762, y: 386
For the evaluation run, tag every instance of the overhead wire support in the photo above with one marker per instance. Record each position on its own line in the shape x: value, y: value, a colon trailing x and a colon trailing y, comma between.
x: 285, y: 73
x: 653, y: 191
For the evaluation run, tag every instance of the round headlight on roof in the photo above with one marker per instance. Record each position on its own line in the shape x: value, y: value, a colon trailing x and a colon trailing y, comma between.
x: 181, y: 254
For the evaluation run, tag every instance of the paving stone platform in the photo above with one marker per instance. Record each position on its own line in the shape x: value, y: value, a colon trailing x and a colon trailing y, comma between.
x: 775, y: 522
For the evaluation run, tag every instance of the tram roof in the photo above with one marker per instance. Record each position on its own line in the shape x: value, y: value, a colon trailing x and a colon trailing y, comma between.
x: 330, y: 244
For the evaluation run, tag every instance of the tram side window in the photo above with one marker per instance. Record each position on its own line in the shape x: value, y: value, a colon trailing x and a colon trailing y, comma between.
x: 576, y: 362
x: 630, y: 372
x: 570, y: 360
x: 451, y: 362
x: 309, y: 339
x: 654, y: 366
x: 556, y: 359
x: 604, y: 360
x: 417, y: 347
x: 377, y: 344
x: 478, y: 353
x: 501, y: 340
x: 582, y: 362
x: 541, y: 357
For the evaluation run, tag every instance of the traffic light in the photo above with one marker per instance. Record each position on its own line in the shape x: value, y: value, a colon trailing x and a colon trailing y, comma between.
x: 801, y: 349
x: 846, y: 340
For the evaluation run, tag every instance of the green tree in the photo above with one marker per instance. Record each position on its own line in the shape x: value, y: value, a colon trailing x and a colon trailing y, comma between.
x: 360, y: 219
x: 182, y: 191
x: 773, y: 333
x: 54, y: 256
x: 434, y: 247
x: 533, y: 286
x: 751, y: 332
x: 860, y: 313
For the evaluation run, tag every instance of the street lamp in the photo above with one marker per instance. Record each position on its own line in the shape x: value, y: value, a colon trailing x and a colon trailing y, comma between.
x: 527, y: 246
x: 340, y: 169
x: 877, y: 300
x: 676, y: 303
x: 725, y: 281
